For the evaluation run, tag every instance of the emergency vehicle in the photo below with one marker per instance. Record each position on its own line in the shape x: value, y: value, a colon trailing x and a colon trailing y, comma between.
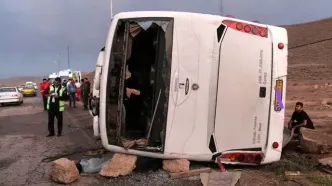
x: 68, y: 74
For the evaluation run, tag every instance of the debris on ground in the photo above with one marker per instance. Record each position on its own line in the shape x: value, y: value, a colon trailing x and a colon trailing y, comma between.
x: 195, y: 172
x: 119, y: 165
x: 220, y: 178
x: 127, y: 144
x: 326, y: 164
x: 292, y: 173
x: 315, y: 141
x: 64, y: 171
x: 92, y: 165
x: 174, y: 166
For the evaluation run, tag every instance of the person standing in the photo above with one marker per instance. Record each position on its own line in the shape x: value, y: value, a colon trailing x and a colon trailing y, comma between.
x: 72, y: 93
x: 81, y: 90
x: 42, y: 86
x: 57, y: 94
x: 77, y: 84
x: 86, y: 93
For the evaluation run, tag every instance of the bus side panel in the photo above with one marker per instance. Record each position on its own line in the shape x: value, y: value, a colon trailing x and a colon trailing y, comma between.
x: 280, y: 63
x: 181, y: 105
x: 183, y: 131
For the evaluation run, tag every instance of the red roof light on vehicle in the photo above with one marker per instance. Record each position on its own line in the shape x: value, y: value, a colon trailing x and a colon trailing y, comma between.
x: 229, y: 16
x: 255, y: 21
x: 239, y: 26
x: 275, y: 145
x: 246, y: 28
x: 281, y: 46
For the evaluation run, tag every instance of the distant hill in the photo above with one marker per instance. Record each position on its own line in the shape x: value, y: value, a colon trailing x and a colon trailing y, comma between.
x: 310, y: 50
x: 16, y: 81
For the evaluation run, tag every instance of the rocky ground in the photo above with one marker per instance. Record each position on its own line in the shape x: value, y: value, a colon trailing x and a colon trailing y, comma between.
x: 24, y: 147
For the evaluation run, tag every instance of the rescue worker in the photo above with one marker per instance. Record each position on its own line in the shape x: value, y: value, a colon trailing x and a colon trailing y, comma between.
x: 43, y: 86
x: 57, y: 94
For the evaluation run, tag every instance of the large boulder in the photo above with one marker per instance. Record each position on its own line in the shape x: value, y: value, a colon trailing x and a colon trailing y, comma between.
x: 178, y: 165
x: 64, y: 171
x: 315, y: 141
x: 119, y: 165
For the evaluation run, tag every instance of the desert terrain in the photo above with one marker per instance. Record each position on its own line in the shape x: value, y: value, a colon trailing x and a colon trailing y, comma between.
x: 309, y: 81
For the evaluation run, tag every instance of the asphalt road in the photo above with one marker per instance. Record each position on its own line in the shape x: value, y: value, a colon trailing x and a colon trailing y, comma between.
x: 23, y: 146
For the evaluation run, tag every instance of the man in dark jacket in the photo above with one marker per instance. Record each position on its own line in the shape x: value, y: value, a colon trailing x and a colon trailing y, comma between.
x: 81, y: 90
x: 56, y: 96
x: 86, y: 93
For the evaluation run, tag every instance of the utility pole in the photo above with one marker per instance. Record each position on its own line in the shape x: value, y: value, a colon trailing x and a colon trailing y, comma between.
x: 221, y: 10
x: 111, y: 6
x: 58, y: 61
x: 68, y: 57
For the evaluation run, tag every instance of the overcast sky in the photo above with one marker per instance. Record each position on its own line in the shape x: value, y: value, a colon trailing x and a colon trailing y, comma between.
x: 34, y: 32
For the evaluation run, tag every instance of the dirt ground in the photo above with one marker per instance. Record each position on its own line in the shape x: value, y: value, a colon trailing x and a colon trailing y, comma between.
x: 24, y: 146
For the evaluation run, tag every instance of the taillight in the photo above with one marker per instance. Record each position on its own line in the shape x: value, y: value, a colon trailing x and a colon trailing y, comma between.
x: 247, y: 28
x: 252, y: 158
x: 275, y: 145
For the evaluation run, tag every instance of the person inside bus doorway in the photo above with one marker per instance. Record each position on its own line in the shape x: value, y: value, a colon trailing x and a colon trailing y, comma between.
x: 134, y: 100
x: 300, y: 119
x: 57, y: 94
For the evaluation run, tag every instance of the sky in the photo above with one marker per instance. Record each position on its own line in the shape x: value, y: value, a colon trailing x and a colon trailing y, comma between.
x: 34, y: 34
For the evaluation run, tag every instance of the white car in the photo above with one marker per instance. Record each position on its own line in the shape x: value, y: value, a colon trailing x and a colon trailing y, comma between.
x: 20, y: 88
x: 10, y: 95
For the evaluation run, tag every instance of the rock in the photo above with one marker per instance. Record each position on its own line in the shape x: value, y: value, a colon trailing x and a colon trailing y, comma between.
x: 64, y: 170
x: 326, y: 162
x: 316, y: 87
x: 315, y: 141
x: 173, y: 166
x: 119, y: 165
x: 220, y: 178
x: 327, y: 101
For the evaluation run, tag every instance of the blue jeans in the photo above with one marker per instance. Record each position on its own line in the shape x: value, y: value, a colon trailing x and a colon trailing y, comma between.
x: 72, y: 99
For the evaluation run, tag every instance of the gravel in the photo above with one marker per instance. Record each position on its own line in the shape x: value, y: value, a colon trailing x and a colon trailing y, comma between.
x: 154, y: 178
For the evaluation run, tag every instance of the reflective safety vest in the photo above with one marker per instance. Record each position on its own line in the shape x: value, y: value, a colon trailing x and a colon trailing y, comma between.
x: 61, y: 103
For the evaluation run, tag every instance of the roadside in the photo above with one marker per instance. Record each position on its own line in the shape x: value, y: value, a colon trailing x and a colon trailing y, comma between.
x: 26, y: 154
x: 23, y: 144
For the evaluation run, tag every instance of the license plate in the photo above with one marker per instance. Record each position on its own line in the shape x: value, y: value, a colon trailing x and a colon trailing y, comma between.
x: 278, y: 95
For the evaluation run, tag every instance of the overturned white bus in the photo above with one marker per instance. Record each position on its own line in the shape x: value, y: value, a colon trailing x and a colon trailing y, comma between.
x: 194, y: 86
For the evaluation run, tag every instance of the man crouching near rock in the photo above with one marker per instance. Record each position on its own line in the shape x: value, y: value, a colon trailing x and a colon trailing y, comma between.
x: 300, y: 119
